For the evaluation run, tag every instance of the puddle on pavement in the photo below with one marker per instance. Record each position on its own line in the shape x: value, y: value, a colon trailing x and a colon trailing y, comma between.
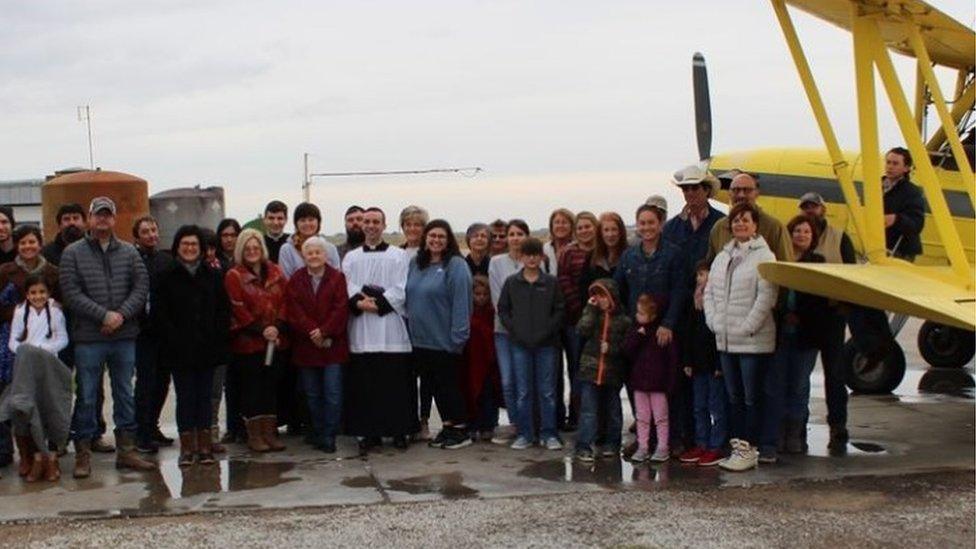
x: 613, y: 473
x: 948, y: 381
x: 449, y: 485
x: 226, y: 476
x: 818, y: 436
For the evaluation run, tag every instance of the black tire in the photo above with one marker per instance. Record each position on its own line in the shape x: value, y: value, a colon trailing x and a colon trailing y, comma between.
x: 944, y: 346
x: 874, y: 377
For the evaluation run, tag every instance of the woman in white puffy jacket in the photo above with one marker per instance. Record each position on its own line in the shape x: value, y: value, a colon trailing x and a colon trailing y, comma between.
x: 739, y: 309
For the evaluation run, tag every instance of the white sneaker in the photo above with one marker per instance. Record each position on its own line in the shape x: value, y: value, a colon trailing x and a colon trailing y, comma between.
x: 660, y: 456
x: 640, y: 456
x: 553, y: 443
x: 742, y: 458
x: 521, y: 443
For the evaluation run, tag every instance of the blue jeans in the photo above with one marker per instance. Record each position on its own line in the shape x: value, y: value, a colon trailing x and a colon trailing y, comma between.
x: 323, y: 389
x: 788, y: 376
x: 710, y: 407
x: 743, y: 381
x: 120, y: 357
x: 598, y: 401
x: 503, y: 351
x: 572, y: 346
x: 535, y: 373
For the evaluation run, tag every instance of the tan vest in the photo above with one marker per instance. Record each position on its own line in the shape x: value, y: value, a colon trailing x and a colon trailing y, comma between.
x: 829, y: 245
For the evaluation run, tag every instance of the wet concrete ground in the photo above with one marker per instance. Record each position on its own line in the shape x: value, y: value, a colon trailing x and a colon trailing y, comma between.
x: 908, y: 433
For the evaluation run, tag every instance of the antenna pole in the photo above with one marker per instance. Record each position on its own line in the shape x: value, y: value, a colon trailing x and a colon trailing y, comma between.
x: 84, y: 113
x: 306, y: 191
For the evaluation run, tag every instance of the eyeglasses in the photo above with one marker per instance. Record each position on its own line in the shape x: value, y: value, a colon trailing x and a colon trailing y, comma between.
x: 742, y: 190
x: 499, y: 237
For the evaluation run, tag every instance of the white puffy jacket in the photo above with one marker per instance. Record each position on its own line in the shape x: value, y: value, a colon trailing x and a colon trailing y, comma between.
x: 739, y: 308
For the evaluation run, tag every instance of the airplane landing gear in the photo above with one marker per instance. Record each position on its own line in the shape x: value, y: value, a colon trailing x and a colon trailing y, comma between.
x: 872, y: 374
x: 944, y: 346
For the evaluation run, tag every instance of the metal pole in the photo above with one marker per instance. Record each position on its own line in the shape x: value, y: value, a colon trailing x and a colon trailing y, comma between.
x: 306, y: 192
x: 91, y: 152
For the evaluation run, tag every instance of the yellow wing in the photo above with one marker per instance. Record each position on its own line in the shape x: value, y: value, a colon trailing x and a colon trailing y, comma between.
x: 900, y: 289
x: 949, y: 42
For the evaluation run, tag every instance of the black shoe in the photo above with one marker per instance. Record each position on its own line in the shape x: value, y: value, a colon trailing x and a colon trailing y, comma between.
x: 6, y: 459
x: 160, y: 439
x: 400, y: 442
x: 328, y: 445
x: 440, y: 439
x: 146, y: 446
x: 456, y: 439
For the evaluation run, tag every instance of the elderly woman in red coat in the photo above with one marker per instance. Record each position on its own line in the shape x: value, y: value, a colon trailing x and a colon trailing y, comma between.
x: 256, y: 288
x: 318, y: 311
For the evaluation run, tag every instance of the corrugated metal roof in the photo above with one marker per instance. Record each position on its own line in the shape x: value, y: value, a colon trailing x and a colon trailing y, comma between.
x: 20, y: 192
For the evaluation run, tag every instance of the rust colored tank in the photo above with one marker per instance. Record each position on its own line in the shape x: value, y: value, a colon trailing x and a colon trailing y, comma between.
x: 130, y: 194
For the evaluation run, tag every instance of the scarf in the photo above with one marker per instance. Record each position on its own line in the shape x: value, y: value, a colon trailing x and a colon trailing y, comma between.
x: 41, y: 263
x: 191, y: 267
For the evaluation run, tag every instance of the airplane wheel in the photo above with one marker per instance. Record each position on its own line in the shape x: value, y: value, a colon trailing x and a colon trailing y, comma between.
x: 872, y: 376
x: 944, y: 346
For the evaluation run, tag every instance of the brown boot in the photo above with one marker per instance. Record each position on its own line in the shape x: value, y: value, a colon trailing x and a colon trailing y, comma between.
x: 52, y: 469
x: 126, y: 456
x: 37, y: 468
x: 26, y: 449
x: 215, y: 445
x: 204, y: 447
x: 255, y: 434
x: 82, y: 459
x: 271, y: 434
x: 188, y: 448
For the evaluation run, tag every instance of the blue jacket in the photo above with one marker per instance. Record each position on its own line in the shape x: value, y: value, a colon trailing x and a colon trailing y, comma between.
x: 662, y: 274
x: 693, y: 244
x: 439, y: 304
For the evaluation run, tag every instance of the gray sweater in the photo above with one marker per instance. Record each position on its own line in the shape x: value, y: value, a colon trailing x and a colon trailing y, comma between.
x: 94, y: 282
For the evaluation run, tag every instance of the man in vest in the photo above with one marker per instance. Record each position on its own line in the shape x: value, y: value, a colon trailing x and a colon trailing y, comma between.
x: 836, y: 247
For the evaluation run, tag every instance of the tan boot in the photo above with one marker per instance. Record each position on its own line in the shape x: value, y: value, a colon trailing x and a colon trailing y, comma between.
x: 204, y: 447
x: 255, y: 434
x: 271, y: 434
x: 52, y: 469
x: 37, y: 468
x: 26, y: 449
x: 82, y: 459
x: 188, y: 448
x: 215, y: 445
x: 126, y: 456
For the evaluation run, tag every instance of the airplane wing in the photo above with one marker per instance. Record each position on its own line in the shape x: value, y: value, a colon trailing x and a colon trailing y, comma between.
x: 888, y: 287
x: 949, y: 42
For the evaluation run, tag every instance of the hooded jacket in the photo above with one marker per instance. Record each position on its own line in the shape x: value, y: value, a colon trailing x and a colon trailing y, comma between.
x: 597, y: 326
x: 654, y: 368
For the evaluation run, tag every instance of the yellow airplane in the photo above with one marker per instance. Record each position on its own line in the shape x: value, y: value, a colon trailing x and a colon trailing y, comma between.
x: 939, y: 286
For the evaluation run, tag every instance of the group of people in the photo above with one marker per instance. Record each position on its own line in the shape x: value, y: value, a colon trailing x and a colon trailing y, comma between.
x: 363, y: 338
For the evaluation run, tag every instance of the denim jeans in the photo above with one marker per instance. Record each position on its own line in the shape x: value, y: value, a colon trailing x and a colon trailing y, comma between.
x: 503, y: 351
x: 786, y: 389
x: 194, y: 389
x: 120, y: 357
x: 599, y: 401
x: 835, y: 373
x: 535, y: 383
x: 743, y: 381
x: 323, y: 389
x: 710, y: 406
x: 571, y: 346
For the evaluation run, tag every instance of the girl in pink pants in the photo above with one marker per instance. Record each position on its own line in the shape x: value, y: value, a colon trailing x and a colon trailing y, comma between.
x: 652, y: 377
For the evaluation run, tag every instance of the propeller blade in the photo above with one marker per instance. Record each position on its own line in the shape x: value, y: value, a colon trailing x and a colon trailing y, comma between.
x: 703, y: 107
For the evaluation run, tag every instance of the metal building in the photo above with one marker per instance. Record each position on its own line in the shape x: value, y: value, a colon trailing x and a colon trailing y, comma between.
x: 203, y: 206
x: 24, y: 196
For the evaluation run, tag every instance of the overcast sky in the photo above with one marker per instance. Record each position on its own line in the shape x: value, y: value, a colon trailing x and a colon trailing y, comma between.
x: 570, y: 103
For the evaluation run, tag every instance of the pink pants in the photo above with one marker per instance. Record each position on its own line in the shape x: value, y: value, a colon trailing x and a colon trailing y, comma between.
x: 651, y: 405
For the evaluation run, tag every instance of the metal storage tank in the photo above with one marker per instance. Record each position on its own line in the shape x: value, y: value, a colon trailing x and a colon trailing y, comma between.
x: 130, y: 194
x: 186, y: 206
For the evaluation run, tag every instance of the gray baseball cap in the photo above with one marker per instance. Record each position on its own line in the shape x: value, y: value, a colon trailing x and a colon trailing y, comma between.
x: 812, y: 197
x: 659, y: 202
x: 100, y: 203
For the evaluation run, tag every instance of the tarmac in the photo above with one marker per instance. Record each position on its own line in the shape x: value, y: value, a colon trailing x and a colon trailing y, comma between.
x: 925, y: 428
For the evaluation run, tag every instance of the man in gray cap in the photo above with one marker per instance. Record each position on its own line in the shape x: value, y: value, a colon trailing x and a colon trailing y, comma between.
x: 105, y: 285
x: 836, y: 247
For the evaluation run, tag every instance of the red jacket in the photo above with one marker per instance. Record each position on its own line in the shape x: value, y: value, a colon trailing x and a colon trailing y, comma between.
x: 255, y: 304
x: 326, y: 309
x: 572, y: 262
x: 479, y: 360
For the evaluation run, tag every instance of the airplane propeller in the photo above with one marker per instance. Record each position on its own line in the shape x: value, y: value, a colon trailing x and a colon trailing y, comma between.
x: 703, y: 108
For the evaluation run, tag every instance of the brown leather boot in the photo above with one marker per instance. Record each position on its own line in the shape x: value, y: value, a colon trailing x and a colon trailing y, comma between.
x: 25, y: 447
x: 37, y: 468
x: 188, y: 448
x: 52, y: 469
x: 271, y: 434
x: 82, y: 459
x: 126, y: 456
x: 255, y: 434
x: 204, y: 447
x: 215, y: 445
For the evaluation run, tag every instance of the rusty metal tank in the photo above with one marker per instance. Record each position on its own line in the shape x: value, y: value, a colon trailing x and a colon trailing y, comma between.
x: 130, y: 194
x: 203, y: 206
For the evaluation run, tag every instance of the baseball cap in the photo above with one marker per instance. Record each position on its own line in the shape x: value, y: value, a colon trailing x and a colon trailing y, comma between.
x: 101, y: 203
x: 812, y: 197
x: 659, y: 202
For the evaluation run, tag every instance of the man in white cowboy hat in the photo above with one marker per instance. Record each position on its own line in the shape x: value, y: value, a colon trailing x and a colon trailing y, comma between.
x: 689, y: 229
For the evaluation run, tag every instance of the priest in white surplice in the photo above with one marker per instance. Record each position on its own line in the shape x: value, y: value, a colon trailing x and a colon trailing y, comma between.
x: 379, y: 384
